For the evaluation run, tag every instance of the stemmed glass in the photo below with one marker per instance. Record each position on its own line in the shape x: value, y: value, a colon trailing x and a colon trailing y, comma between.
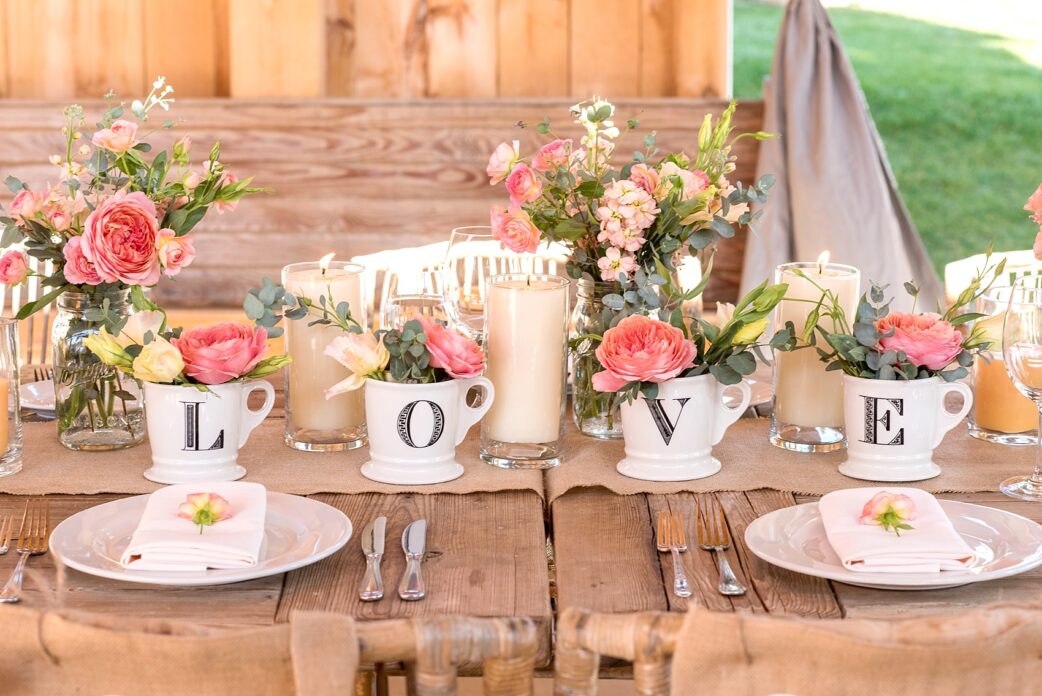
x: 1022, y: 350
x: 411, y: 295
x: 472, y: 258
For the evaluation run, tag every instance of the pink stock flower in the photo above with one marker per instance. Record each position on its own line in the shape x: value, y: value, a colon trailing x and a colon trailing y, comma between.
x: 514, y: 229
x: 458, y: 355
x: 227, y: 179
x: 119, y: 137
x: 79, y: 270
x: 1034, y: 205
x: 204, y: 509
x: 625, y: 211
x: 503, y: 159
x: 889, y: 511
x: 523, y: 185
x: 14, y: 267
x: 25, y: 204
x: 926, y: 339
x: 614, y: 262
x: 175, y: 252
x: 645, y: 177
x: 221, y: 352
x: 552, y: 155
x: 641, y: 349
x: 119, y: 238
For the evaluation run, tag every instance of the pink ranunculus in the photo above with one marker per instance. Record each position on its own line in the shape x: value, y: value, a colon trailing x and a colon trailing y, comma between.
x: 503, y: 159
x: 926, y: 339
x: 458, y: 355
x: 1034, y: 205
x: 523, y: 185
x: 175, y: 252
x: 227, y: 179
x: 14, y: 267
x: 119, y: 238
x: 25, y: 204
x: 645, y: 177
x: 219, y: 353
x: 514, y: 229
x: 641, y: 349
x: 78, y: 269
x: 552, y: 155
x: 119, y: 137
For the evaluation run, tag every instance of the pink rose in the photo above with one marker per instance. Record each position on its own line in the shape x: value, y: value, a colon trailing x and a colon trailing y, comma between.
x: 645, y: 177
x: 25, y: 204
x: 119, y: 238
x: 227, y: 179
x: 119, y: 137
x: 14, y: 267
x: 552, y: 155
x: 695, y: 182
x: 523, y: 185
x: 458, y: 355
x: 502, y: 161
x: 926, y: 339
x: 78, y: 270
x: 219, y: 353
x: 58, y: 218
x: 1034, y: 205
x: 175, y: 252
x: 514, y: 229
x: 641, y: 349
x: 888, y: 510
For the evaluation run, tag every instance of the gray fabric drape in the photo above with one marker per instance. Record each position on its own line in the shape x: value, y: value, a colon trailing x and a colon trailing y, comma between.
x: 835, y: 188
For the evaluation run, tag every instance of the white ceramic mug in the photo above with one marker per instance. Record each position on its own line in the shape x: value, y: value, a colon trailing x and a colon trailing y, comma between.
x: 671, y: 437
x: 196, y: 435
x: 893, y: 426
x: 414, y: 428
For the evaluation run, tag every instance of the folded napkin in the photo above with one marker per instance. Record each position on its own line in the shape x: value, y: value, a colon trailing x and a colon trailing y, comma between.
x: 163, y: 541
x: 932, y: 545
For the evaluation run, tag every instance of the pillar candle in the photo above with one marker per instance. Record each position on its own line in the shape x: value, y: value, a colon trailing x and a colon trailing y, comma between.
x: 805, y: 394
x: 526, y: 333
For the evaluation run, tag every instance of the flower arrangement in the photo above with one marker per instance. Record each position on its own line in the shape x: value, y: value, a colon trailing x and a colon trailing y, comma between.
x: 205, y: 509
x: 639, y: 352
x: 1034, y: 206
x: 145, y: 348
x: 423, y: 351
x: 889, y: 511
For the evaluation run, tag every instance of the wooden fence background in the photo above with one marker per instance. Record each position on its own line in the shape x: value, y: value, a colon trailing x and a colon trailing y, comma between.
x: 60, y: 49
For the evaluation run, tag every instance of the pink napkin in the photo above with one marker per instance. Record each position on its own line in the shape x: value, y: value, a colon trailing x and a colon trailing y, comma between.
x: 931, y: 546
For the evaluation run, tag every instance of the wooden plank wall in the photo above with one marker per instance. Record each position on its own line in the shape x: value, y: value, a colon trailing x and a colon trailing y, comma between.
x: 61, y: 49
x: 358, y: 176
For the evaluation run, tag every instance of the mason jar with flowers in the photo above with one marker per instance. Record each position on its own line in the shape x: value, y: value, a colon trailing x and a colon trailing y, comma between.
x: 418, y: 402
x: 672, y: 382
x: 114, y: 225
x: 197, y: 383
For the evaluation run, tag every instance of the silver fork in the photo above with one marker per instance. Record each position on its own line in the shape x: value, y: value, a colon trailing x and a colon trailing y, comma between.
x: 6, y: 533
x: 670, y: 537
x: 32, y: 541
x: 714, y: 536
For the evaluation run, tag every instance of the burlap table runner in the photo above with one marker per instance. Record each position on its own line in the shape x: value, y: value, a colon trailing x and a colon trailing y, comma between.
x: 750, y: 461
x: 50, y: 468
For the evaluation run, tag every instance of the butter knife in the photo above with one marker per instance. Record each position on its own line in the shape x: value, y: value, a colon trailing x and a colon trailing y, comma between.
x: 373, y: 547
x: 414, y: 543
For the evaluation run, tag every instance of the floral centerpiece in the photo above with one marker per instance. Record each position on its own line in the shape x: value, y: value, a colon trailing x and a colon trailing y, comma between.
x: 627, y: 227
x: 118, y: 220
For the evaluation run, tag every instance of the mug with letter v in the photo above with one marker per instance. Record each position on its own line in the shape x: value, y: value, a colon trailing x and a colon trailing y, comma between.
x: 671, y: 437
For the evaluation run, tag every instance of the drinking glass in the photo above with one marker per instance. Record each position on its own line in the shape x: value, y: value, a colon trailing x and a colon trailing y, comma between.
x: 1022, y: 350
x: 10, y: 423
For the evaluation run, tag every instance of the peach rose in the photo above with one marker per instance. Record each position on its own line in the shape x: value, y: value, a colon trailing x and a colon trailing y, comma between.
x: 25, y: 204
x: 119, y: 137
x: 219, y: 353
x: 119, y: 238
x: 78, y: 269
x: 514, y: 229
x: 458, y: 355
x: 14, y: 267
x: 503, y: 159
x: 175, y: 252
x: 523, y: 185
x: 641, y: 349
x: 926, y: 339
x: 645, y: 177
x: 552, y: 155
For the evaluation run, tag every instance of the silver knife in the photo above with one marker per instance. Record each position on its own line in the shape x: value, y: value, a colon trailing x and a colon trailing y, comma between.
x: 373, y: 548
x: 414, y: 542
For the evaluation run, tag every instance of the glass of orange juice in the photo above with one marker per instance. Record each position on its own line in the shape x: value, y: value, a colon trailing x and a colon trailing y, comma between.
x: 1000, y: 413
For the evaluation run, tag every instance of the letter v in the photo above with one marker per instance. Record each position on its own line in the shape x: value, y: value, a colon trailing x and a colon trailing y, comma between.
x: 658, y: 414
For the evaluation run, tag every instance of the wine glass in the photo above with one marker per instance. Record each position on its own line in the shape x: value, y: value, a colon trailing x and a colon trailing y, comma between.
x: 411, y: 295
x: 1022, y: 351
x: 472, y: 258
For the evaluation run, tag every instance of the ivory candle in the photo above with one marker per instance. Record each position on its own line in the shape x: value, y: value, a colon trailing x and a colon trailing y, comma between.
x: 526, y: 334
x: 805, y: 394
x: 312, y: 371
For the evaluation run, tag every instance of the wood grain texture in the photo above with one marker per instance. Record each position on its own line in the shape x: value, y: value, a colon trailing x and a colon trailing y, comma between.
x: 340, y: 47
x: 182, y: 42
x: 36, y: 67
x: 277, y: 48
x: 533, y: 58
x: 461, y: 48
x: 702, y: 48
x: 605, y: 47
x: 5, y: 83
x: 108, y: 47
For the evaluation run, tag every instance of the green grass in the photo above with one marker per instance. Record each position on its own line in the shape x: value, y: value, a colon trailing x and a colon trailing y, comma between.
x: 959, y: 113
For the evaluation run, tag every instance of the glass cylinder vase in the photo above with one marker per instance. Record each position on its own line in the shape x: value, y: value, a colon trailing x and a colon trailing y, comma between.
x: 11, y: 423
x: 592, y: 410
x: 97, y: 407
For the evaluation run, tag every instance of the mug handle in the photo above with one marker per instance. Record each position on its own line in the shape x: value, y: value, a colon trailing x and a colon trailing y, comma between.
x: 949, y: 420
x: 469, y: 415
x: 726, y: 417
x: 251, y: 419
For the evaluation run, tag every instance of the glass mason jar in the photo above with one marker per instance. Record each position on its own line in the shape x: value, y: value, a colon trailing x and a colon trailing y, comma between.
x: 592, y: 410
x: 97, y: 408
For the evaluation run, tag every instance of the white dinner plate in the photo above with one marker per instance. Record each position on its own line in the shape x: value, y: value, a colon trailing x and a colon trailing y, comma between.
x: 38, y: 396
x: 1005, y: 544
x: 297, y: 532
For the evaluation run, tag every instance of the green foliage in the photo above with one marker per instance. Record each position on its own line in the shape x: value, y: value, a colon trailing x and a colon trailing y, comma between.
x: 267, y: 305
x: 410, y: 359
